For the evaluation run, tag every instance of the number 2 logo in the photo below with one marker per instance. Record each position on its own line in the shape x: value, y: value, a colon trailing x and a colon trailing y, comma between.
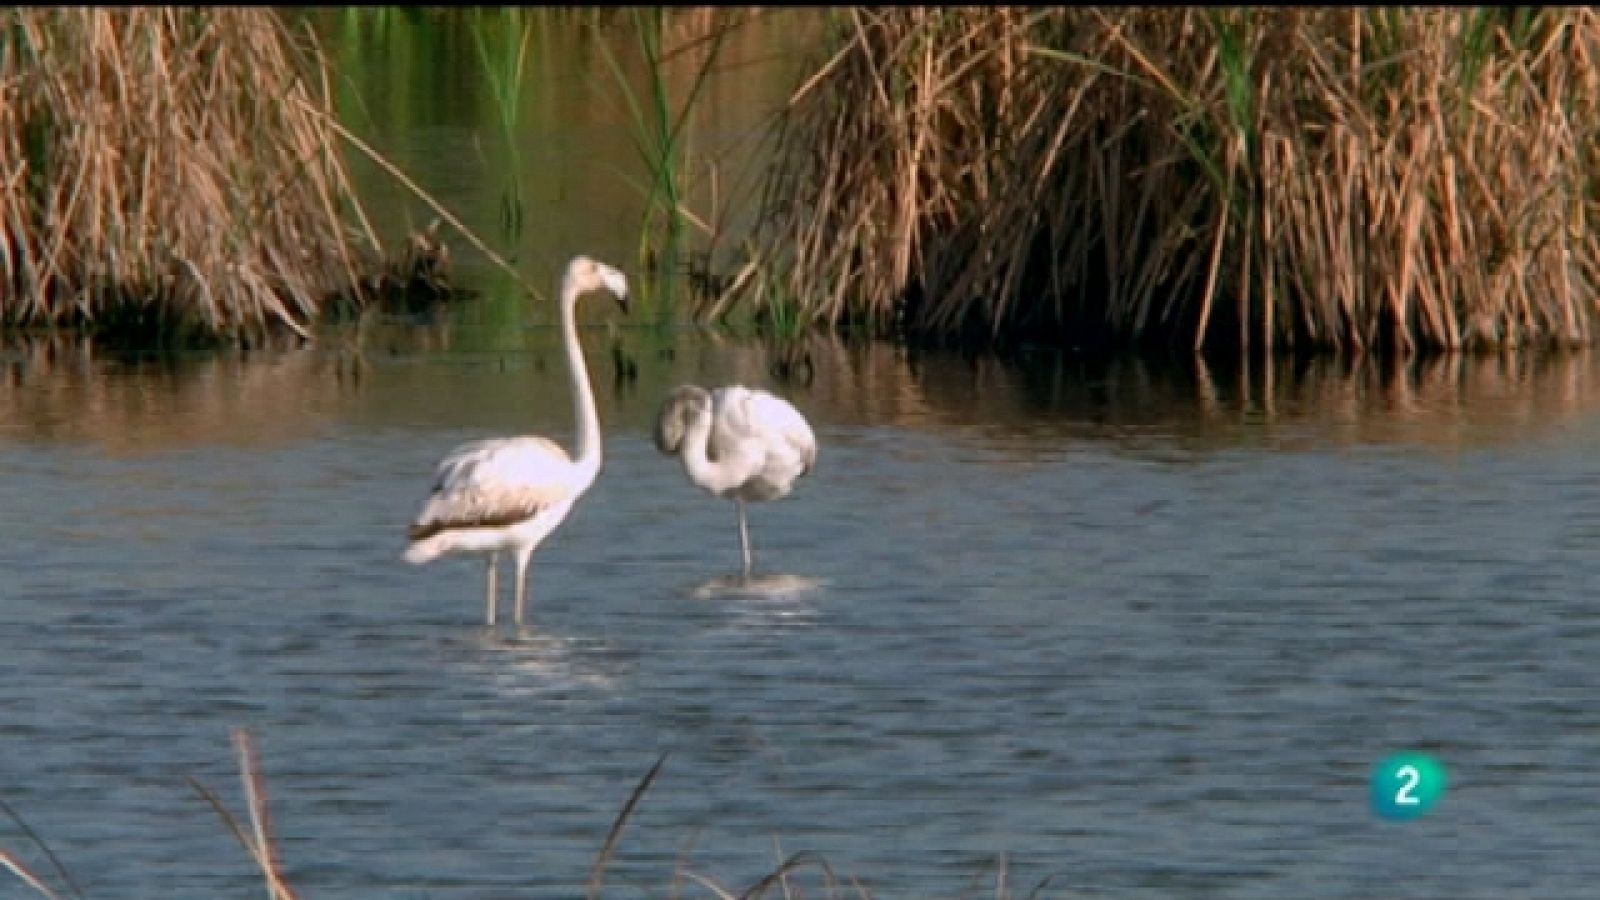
x: 1409, y: 775
x: 1406, y: 785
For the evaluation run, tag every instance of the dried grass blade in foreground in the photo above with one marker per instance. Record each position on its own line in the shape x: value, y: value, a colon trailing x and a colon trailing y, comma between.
x: 260, y: 819
x: 26, y: 875
x: 11, y: 862
x: 597, y: 874
x: 260, y: 847
x: 780, y: 874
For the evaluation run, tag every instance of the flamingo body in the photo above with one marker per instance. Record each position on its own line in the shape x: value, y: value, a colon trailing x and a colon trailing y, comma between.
x: 496, y: 494
x: 737, y: 443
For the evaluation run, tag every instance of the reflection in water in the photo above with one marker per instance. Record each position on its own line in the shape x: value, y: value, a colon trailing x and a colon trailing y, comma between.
x: 396, y: 373
x: 530, y: 662
x: 774, y: 586
x: 762, y: 606
x: 1199, y: 405
x: 62, y: 388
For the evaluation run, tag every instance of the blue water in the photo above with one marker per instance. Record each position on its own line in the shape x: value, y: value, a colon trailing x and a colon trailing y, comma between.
x: 1139, y: 644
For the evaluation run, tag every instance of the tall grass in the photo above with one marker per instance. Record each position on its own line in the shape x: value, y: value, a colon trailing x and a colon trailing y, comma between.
x: 163, y: 171
x: 504, y: 68
x: 1406, y: 179
x: 661, y: 132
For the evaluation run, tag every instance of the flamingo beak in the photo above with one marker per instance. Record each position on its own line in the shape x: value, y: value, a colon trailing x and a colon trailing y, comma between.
x: 617, y: 283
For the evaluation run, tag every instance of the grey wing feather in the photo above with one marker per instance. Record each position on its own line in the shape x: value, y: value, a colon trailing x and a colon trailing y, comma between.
x: 495, y: 483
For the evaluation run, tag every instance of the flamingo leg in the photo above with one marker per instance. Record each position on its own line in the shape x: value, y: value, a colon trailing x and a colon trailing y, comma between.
x: 494, y: 560
x: 524, y: 556
x: 744, y: 537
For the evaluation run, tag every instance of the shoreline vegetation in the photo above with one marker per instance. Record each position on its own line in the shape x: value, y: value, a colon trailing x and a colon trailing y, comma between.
x: 1198, y: 179
x: 170, y: 177
x: 1307, y: 179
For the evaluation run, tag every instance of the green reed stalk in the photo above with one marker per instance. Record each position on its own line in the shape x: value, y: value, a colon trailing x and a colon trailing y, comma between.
x: 504, y: 69
x: 664, y: 144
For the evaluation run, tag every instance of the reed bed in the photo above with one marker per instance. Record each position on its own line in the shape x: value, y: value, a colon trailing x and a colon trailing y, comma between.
x: 171, y: 171
x: 1345, y: 179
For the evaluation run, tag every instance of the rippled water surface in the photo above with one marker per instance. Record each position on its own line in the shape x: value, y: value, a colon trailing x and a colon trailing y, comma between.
x: 1141, y: 633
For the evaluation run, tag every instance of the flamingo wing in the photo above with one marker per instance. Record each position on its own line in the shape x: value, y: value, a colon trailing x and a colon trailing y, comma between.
x: 783, y: 428
x: 768, y: 432
x: 496, y: 483
x: 791, y: 428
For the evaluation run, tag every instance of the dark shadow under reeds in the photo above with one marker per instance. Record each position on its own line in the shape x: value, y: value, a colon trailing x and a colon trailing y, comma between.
x: 1322, y: 179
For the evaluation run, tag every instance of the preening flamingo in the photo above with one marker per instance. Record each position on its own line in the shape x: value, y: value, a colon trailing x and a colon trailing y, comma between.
x: 738, y: 443
x: 510, y: 493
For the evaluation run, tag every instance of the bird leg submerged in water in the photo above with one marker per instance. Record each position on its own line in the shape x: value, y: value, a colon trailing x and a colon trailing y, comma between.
x: 493, y: 563
x: 524, y: 557
x: 744, y: 538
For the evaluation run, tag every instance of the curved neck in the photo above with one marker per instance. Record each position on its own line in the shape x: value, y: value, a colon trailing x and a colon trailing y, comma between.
x: 587, y: 451
x: 716, y: 477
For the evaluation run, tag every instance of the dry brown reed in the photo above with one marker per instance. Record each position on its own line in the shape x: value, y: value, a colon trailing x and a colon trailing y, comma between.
x: 1321, y: 178
x: 259, y: 842
x: 164, y: 169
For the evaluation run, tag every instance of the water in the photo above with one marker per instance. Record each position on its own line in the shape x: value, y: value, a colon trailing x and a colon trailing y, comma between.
x: 1142, y: 631
x: 1136, y: 641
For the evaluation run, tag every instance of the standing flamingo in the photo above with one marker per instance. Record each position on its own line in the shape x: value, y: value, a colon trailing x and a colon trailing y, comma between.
x: 737, y: 443
x: 510, y: 493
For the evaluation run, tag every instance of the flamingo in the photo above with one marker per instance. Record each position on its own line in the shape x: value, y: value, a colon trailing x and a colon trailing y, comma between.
x: 510, y: 493
x: 737, y: 443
